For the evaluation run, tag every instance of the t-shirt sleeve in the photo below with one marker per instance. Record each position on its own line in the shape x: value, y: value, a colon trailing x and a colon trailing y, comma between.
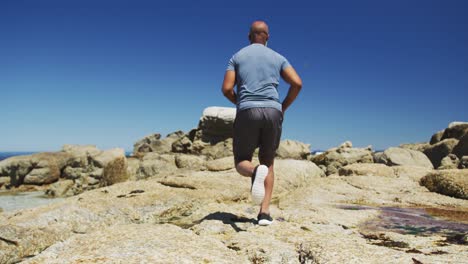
x: 231, y: 65
x: 284, y: 63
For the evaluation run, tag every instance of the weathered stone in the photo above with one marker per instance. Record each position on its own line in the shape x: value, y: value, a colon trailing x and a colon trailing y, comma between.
x: 154, y: 143
x: 448, y: 182
x: 41, y: 176
x: 219, y: 150
x: 182, y: 145
x: 221, y: 164
x: 60, y: 188
x: 455, y: 130
x: 437, y: 137
x: 336, y: 158
x: 191, y: 162
x: 414, y: 173
x: 404, y: 157
x: 461, y: 149
x: 72, y: 173
x: 415, y: 146
x: 438, y: 151
x: 114, y: 164
x: 369, y: 169
x: 4, y: 181
x: 132, y: 167
x: 451, y: 161
x: 464, y: 162
x: 291, y: 149
x: 140, y: 243
x: 216, y: 124
x: 154, y: 164
x: 145, y: 144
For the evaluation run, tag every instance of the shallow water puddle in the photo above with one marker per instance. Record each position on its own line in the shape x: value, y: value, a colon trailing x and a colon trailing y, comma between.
x: 10, y: 201
x: 449, y: 223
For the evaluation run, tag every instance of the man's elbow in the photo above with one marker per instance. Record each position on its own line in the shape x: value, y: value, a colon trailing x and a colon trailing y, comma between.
x: 297, y: 85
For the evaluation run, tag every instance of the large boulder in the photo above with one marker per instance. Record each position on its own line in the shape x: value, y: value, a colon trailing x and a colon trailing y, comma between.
x: 455, y: 130
x: 155, y: 165
x: 333, y: 159
x: 114, y: 165
x: 415, y: 146
x: 404, y: 157
x: 437, y: 137
x: 216, y: 123
x: 291, y: 149
x: 449, y: 162
x: 154, y: 143
x: 448, y: 182
x: 37, y: 169
x: 461, y: 149
x: 191, y: 162
x: 221, y: 164
x: 438, y: 151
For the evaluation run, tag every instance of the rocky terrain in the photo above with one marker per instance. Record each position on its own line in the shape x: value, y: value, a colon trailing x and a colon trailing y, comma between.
x: 178, y: 199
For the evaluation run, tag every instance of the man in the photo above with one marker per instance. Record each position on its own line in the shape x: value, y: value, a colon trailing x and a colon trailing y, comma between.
x: 256, y: 70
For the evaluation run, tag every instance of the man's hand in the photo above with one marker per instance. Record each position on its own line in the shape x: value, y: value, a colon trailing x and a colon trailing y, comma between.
x: 290, y: 76
x: 228, y: 86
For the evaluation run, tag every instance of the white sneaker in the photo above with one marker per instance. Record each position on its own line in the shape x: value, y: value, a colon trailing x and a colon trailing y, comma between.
x: 258, y: 184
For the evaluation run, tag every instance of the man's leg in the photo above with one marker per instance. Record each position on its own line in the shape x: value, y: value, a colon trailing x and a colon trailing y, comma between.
x: 245, y: 168
x: 269, y: 183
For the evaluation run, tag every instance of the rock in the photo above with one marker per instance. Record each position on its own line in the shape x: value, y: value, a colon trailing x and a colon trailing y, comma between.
x: 290, y: 149
x: 404, y: 157
x: 464, y: 162
x: 336, y: 158
x: 438, y: 151
x: 437, y: 137
x: 415, y: 146
x: 72, y: 173
x: 60, y: 189
x: 369, y: 169
x: 455, y: 130
x: 216, y: 124
x: 145, y: 144
x: 39, y: 168
x: 221, y: 164
x: 154, y: 164
x: 190, y: 162
x: 451, y: 161
x: 453, y: 183
x: 132, y: 167
x: 139, y: 243
x: 154, y: 143
x: 4, y: 181
x: 461, y: 149
x: 219, y: 150
x: 291, y: 174
x: 414, y: 173
x: 41, y: 176
x: 376, y: 156
x: 182, y: 145
x: 80, y: 154
x: 114, y: 165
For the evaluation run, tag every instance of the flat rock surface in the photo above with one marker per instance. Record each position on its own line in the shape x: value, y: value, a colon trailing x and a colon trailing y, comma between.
x: 207, y: 217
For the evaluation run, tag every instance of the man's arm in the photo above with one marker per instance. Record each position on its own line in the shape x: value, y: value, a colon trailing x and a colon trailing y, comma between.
x: 228, y: 86
x: 290, y: 76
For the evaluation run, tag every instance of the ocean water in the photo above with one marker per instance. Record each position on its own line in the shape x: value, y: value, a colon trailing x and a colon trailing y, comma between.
x: 5, y: 155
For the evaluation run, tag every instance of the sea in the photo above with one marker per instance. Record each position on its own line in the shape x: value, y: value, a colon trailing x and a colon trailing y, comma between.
x: 7, y: 154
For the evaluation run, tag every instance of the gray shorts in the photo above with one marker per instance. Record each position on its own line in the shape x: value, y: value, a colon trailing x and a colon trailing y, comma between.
x: 257, y: 127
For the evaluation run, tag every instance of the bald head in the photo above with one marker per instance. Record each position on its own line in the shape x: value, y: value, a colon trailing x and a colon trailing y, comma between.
x: 259, y: 32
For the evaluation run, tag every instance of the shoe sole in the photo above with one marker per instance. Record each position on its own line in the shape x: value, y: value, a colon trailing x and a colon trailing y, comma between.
x: 264, y: 222
x: 258, y: 187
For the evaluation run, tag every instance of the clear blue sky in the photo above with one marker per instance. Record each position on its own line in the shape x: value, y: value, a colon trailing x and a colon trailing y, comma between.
x: 111, y: 72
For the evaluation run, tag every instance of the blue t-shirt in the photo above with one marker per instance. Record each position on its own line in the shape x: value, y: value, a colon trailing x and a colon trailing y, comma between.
x: 258, y: 71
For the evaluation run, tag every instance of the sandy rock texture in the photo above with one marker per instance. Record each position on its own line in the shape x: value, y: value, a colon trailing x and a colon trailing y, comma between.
x: 207, y: 217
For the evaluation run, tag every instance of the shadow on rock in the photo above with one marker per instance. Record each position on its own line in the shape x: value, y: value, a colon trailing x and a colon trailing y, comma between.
x: 229, y: 219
